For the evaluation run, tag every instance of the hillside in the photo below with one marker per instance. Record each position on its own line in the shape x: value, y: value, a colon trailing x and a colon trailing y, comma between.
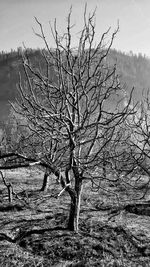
x: 133, y: 71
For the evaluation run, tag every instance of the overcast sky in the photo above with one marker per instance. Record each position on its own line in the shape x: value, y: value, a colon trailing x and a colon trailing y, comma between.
x: 17, y: 21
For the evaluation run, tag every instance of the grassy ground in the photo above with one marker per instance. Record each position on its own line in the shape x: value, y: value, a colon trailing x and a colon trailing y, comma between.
x: 33, y: 228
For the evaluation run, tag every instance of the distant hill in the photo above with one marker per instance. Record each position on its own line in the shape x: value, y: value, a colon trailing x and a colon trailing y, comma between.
x: 134, y: 70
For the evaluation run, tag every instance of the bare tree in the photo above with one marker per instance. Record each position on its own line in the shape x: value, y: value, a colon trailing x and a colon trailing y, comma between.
x: 131, y: 155
x: 9, y: 188
x: 74, y: 107
x: 139, y: 141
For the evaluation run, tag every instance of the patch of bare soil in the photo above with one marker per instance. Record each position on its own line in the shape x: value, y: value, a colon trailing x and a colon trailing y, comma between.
x: 114, y: 231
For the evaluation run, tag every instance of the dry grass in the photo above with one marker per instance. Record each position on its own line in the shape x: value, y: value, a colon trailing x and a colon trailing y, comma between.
x: 33, y: 227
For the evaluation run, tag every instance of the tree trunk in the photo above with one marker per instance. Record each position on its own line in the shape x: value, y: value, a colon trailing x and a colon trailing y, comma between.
x: 104, y: 166
x: 45, y: 181
x: 10, y: 193
x: 73, y: 223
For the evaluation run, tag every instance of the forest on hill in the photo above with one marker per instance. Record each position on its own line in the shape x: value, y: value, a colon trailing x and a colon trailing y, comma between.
x: 133, y: 70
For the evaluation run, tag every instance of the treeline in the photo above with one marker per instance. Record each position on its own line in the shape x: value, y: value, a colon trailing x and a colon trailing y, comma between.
x: 11, y: 66
x: 134, y: 70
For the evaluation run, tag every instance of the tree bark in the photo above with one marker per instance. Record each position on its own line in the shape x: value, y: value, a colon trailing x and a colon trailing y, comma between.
x: 45, y: 181
x: 104, y: 165
x: 10, y: 193
x: 73, y: 223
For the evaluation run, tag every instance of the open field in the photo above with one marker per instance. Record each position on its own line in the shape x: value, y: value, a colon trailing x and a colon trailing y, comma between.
x: 114, y: 228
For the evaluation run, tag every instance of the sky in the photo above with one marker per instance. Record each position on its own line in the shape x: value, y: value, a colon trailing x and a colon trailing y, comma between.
x: 17, y: 22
